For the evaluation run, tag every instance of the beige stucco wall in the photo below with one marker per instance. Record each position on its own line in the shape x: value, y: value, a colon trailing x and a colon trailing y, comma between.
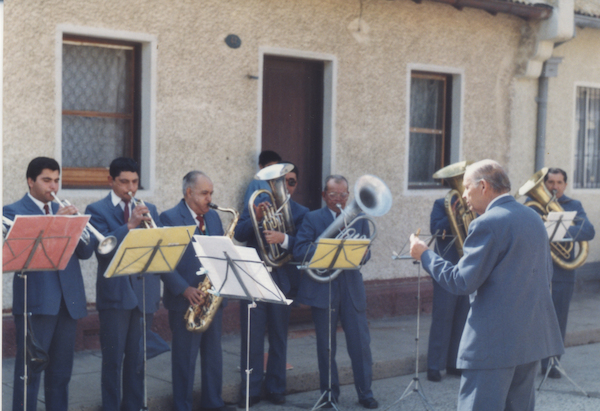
x: 580, y: 66
x: 206, y: 107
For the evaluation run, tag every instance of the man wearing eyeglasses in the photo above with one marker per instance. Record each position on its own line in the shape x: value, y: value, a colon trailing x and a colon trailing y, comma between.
x: 267, y: 317
x: 348, y: 300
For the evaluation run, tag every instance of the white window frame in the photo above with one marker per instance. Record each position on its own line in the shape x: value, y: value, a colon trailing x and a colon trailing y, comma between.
x: 149, y: 45
x: 458, y: 85
x: 574, y: 141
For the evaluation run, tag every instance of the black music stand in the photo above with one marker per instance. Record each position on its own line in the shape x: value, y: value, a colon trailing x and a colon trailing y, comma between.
x: 557, y: 225
x: 39, y: 243
x: 334, y: 254
x: 149, y: 251
x: 249, y: 280
x: 416, y: 381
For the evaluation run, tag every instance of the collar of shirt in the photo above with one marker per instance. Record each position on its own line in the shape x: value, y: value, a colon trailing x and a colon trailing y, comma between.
x: 494, y: 200
x: 116, y: 200
x: 194, y: 215
x: 40, y: 204
x: 332, y: 213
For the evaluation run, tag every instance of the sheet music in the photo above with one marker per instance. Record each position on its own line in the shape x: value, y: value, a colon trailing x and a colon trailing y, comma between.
x: 554, y: 222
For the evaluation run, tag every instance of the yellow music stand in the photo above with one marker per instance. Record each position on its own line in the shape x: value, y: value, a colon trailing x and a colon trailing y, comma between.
x: 150, y: 251
x: 343, y: 254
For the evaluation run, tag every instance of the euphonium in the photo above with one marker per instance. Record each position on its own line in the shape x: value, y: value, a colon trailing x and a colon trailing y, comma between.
x: 456, y: 207
x: 277, y: 217
x: 545, y: 202
x: 199, y: 317
x: 371, y: 196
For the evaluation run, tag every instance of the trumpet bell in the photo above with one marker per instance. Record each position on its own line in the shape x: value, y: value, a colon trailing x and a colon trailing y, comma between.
x: 107, y: 245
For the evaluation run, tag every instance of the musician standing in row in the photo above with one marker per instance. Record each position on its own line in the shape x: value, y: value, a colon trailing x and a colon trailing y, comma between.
x: 267, y: 317
x: 348, y: 300
x: 563, y: 280
x: 55, y: 299
x: 181, y: 290
x: 449, y: 311
x: 506, y: 269
x: 265, y: 159
x: 119, y: 300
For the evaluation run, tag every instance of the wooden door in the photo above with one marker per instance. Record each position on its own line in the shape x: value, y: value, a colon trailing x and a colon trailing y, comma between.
x: 292, y: 120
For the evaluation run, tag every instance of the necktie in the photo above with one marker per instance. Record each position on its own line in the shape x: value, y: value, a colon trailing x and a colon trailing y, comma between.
x: 126, y: 212
x: 46, y: 209
x: 201, y: 225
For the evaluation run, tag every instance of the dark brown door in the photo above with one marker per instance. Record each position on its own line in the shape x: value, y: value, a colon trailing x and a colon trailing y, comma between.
x: 292, y: 120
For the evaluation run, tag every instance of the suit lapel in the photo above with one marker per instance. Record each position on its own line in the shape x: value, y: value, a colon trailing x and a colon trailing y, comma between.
x: 117, y: 210
x: 31, y: 207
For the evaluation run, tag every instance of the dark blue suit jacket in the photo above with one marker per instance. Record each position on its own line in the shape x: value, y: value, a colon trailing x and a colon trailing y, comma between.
x: 45, y: 289
x: 185, y: 275
x: 317, y: 294
x: 124, y: 293
x: 244, y: 232
x: 438, y: 221
x: 506, y: 261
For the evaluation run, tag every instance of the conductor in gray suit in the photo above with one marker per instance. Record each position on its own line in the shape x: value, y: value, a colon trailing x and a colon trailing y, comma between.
x: 506, y: 269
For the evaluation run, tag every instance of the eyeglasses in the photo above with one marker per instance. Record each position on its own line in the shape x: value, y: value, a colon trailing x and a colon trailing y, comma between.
x: 291, y: 181
x: 337, y: 195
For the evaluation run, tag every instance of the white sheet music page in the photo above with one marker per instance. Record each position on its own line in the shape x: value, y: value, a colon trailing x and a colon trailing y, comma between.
x: 559, y: 221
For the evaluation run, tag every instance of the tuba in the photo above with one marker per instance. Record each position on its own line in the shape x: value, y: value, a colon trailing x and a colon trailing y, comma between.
x: 277, y: 217
x: 459, y: 215
x: 199, y: 317
x: 371, y: 196
x: 545, y: 202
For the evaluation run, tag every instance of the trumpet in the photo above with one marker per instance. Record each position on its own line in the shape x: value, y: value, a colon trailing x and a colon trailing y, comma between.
x: 136, y: 202
x: 106, y: 244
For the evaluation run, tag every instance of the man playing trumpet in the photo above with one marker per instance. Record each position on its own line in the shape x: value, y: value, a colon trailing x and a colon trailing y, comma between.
x: 56, y: 299
x: 119, y: 300
x: 506, y: 269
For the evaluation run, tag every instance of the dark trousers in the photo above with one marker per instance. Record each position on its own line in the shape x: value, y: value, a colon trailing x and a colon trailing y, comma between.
x: 448, y: 317
x: 273, y: 319
x: 56, y: 334
x: 184, y: 352
x: 358, y: 342
x: 562, y: 292
x: 120, y: 336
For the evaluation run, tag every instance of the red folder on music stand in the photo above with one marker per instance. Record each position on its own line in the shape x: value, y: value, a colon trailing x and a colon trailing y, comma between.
x: 38, y: 243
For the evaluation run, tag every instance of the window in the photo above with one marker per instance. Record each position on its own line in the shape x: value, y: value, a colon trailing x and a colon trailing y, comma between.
x: 587, y: 152
x: 430, y: 115
x: 100, y: 107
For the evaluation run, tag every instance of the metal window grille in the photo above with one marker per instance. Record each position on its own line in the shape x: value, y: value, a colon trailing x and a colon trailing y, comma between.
x: 587, y: 152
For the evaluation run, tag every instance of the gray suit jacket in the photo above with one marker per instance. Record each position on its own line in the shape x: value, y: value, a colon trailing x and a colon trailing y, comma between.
x: 507, y: 262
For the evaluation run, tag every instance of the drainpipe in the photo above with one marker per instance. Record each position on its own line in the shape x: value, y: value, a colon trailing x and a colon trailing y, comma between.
x: 550, y: 69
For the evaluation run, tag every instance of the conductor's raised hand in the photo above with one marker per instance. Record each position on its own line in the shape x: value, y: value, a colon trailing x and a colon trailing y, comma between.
x: 417, y: 247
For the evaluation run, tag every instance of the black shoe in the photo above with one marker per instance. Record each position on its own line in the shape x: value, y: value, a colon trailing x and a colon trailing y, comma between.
x: 434, y: 375
x: 453, y: 371
x: 370, y: 403
x: 274, y: 398
x: 251, y: 402
x: 554, y: 373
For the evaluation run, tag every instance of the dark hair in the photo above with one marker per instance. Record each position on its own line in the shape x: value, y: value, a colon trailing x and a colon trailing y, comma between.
x: 268, y: 156
x: 118, y: 165
x: 293, y: 170
x: 337, y: 178
x: 38, y: 164
x: 555, y: 170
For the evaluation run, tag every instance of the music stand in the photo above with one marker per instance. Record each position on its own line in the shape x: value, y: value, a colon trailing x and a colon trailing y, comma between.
x: 416, y: 381
x: 334, y: 254
x: 249, y: 280
x: 557, y: 224
x: 149, y: 251
x: 39, y: 243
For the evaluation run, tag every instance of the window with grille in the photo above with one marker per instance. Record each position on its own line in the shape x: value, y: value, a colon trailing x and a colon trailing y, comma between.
x: 100, y: 108
x: 429, y: 140
x: 587, y: 126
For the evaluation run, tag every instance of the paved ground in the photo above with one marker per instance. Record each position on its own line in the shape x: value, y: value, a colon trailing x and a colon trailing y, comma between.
x: 393, y: 347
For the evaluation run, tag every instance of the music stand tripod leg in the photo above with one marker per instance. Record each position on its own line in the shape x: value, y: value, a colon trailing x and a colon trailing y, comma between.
x: 554, y: 362
x: 248, y: 369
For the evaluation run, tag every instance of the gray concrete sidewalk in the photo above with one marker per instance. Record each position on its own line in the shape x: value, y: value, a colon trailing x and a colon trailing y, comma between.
x: 393, y: 345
